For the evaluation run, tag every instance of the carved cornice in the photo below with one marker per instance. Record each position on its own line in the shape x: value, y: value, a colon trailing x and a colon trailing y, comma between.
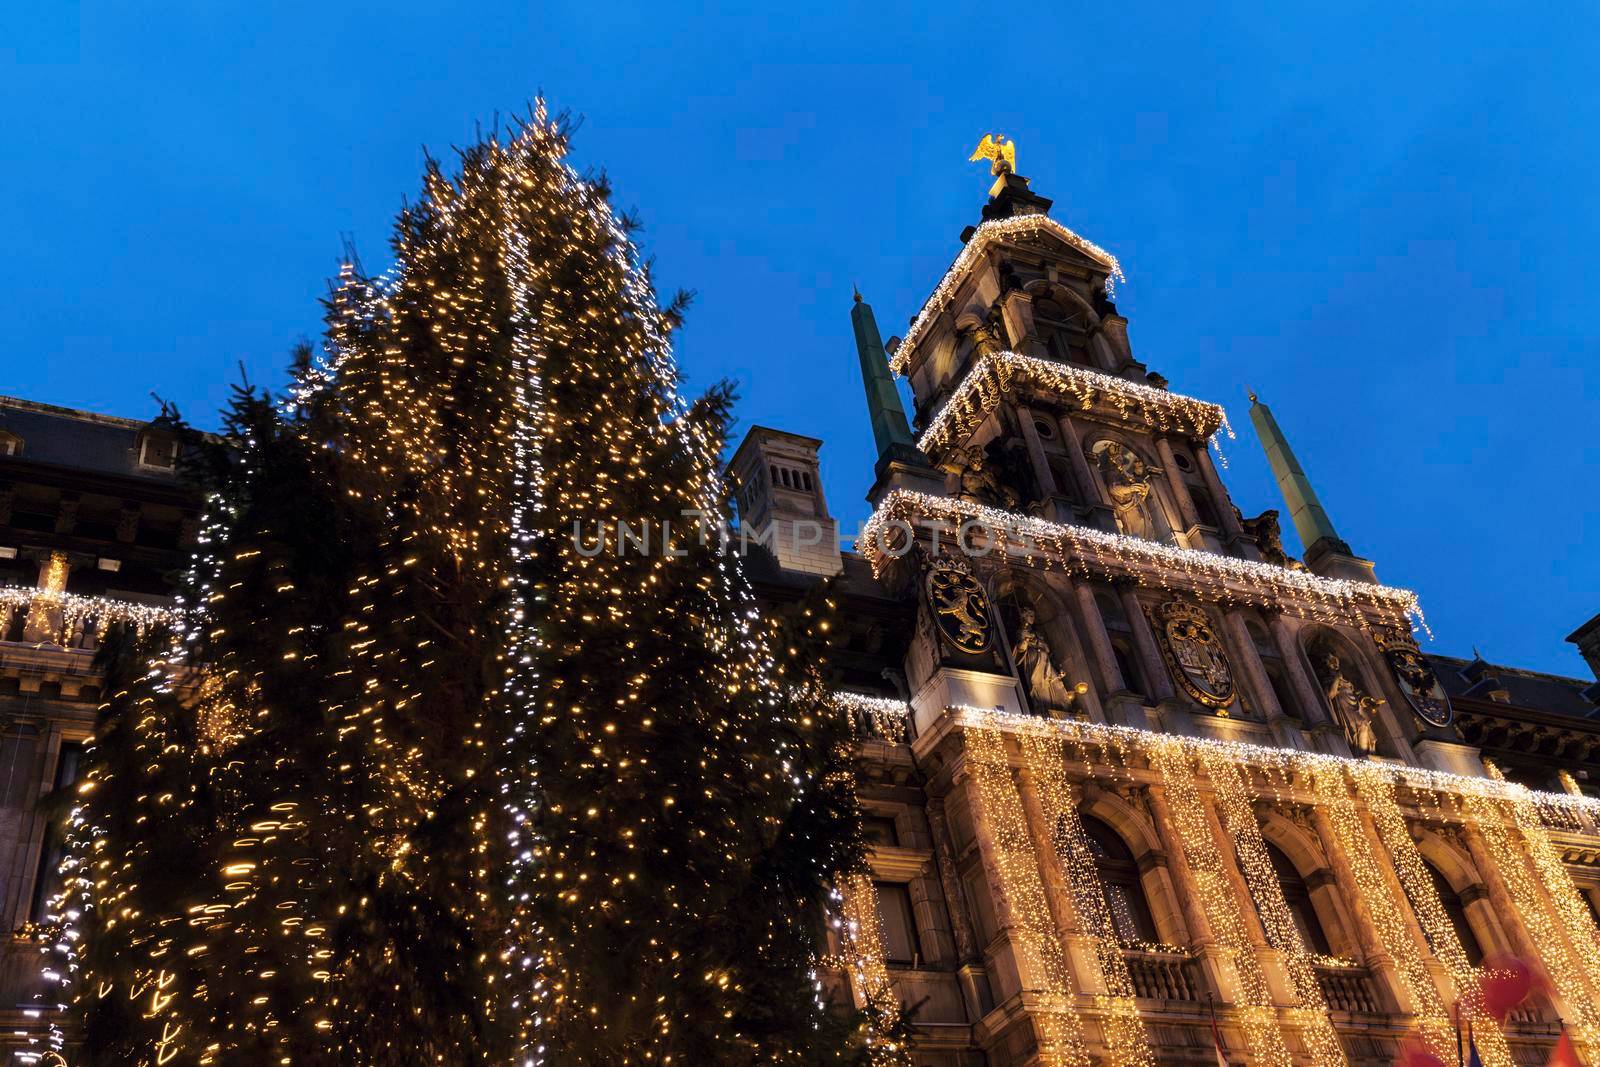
x: 1003, y: 374
x: 1103, y: 556
x: 984, y: 237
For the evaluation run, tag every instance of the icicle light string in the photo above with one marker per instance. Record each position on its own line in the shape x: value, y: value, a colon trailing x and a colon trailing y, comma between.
x: 1230, y: 784
x: 1124, y: 1027
x: 1000, y: 374
x: 864, y: 957
x: 1041, y: 956
x: 1507, y: 818
x: 1095, y: 553
x: 1014, y: 228
x: 1253, y: 1003
x: 1376, y: 789
x: 79, y: 615
x: 1571, y: 963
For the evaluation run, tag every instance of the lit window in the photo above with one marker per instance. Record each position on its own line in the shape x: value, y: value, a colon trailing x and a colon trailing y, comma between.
x: 899, y: 924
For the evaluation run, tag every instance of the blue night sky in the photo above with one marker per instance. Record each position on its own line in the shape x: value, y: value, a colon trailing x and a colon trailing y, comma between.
x: 1380, y: 219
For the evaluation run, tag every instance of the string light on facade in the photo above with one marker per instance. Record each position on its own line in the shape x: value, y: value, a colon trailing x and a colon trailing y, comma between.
x: 1000, y: 374
x: 1017, y: 227
x: 1095, y: 553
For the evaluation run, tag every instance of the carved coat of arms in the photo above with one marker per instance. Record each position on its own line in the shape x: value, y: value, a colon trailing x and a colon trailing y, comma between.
x: 959, y: 605
x: 1195, y: 654
x: 1415, y: 677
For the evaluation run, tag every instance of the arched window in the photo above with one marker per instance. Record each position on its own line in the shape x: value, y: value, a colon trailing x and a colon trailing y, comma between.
x: 1121, y: 634
x: 1119, y: 881
x: 1456, y: 908
x: 1297, y: 895
x: 10, y: 444
x: 1272, y: 664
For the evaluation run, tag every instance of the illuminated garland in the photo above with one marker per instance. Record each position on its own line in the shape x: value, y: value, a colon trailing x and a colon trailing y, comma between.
x: 994, y: 377
x: 1040, y: 954
x: 1511, y: 822
x: 1376, y: 788
x: 80, y: 615
x: 1234, y: 797
x: 1124, y: 1027
x: 1257, y: 1017
x: 862, y: 933
x: 875, y: 716
x: 1537, y: 882
x: 1095, y: 553
x: 1018, y: 226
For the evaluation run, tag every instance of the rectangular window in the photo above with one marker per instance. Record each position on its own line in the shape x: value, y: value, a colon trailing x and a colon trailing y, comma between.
x: 47, y: 881
x: 898, y: 922
x: 879, y: 830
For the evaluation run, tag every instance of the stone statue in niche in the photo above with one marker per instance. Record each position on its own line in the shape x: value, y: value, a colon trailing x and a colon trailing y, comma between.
x: 1127, y: 480
x: 979, y: 481
x: 1048, y: 690
x: 1352, y: 707
x: 1269, y: 538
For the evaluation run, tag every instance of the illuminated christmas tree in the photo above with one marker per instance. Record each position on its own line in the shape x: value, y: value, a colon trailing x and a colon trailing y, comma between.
x: 426, y: 773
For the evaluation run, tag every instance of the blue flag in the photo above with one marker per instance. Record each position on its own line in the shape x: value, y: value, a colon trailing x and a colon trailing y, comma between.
x: 1472, y: 1054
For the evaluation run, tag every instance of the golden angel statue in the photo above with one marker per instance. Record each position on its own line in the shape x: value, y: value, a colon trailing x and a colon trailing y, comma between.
x: 1000, y: 152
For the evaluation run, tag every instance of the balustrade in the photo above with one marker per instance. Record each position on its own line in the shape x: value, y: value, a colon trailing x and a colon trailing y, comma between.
x: 1163, y: 975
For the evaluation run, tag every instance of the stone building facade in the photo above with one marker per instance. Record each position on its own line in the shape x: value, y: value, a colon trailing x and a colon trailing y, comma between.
x: 1136, y: 781
x: 93, y: 527
x: 1130, y: 768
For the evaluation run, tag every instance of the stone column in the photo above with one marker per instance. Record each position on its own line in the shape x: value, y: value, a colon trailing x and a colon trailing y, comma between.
x: 1144, y: 639
x: 1014, y: 964
x: 1094, y: 629
x: 970, y: 971
x: 1270, y: 961
x: 1219, y: 495
x: 1312, y: 710
x: 1041, y: 466
x: 1079, y: 947
x: 1115, y: 329
x: 1017, y: 310
x: 1244, y: 649
x: 1522, y: 939
x: 1378, y: 959
x: 1180, y: 491
x: 1088, y: 489
x: 1202, y: 940
x: 1105, y: 355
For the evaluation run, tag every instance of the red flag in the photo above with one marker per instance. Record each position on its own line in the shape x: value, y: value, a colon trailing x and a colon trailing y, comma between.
x: 1564, y: 1055
x: 1216, y: 1041
x: 1420, y: 1057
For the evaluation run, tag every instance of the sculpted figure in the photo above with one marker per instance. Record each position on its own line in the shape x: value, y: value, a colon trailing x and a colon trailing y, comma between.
x: 986, y: 339
x: 1047, y: 689
x: 1353, y: 708
x: 1269, y: 538
x: 980, y: 482
x: 1128, y: 482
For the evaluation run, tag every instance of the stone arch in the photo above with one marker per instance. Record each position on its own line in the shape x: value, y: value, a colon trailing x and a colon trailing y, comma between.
x: 1455, y: 869
x: 1156, y: 879
x: 1305, y: 852
x: 1013, y: 587
x: 1356, y: 663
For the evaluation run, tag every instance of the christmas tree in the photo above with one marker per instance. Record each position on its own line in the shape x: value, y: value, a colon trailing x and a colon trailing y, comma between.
x: 435, y: 767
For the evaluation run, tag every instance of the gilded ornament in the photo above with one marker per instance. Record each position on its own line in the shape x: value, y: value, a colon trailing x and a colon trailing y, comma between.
x: 960, y: 607
x: 1195, y: 654
x: 999, y: 150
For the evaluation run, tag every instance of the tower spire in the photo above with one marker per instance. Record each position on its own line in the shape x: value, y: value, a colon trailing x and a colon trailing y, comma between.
x: 1310, y: 519
x: 890, y: 431
x: 1326, y: 552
